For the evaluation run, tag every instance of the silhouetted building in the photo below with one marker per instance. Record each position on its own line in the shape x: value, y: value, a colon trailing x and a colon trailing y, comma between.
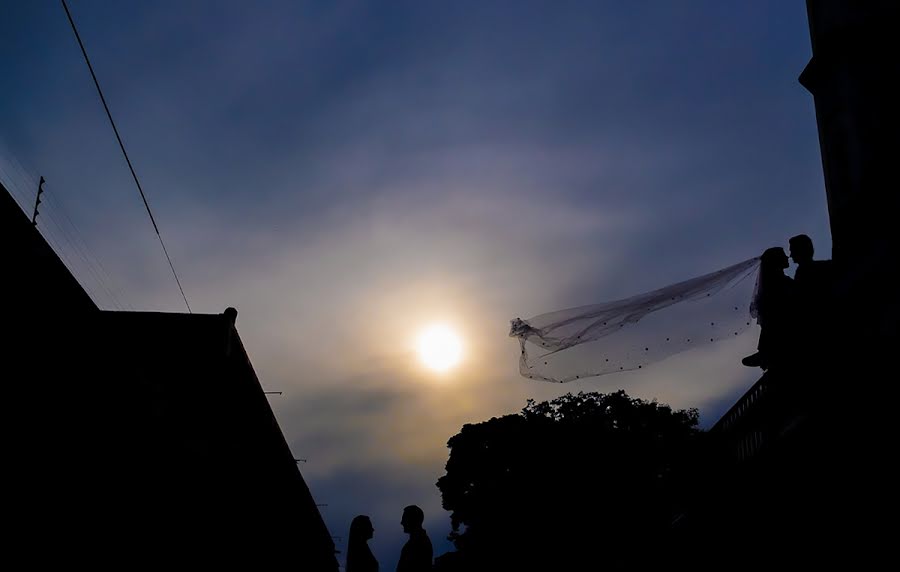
x: 139, y: 438
x: 800, y: 475
x: 852, y: 77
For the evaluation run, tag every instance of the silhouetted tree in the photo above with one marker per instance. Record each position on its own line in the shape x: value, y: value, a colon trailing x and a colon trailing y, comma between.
x: 586, y: 481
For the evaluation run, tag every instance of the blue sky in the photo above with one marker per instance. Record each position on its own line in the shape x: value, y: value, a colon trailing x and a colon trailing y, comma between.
x: 345, y: 173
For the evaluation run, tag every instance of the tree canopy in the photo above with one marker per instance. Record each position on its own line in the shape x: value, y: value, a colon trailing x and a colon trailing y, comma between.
x: 581, y: 480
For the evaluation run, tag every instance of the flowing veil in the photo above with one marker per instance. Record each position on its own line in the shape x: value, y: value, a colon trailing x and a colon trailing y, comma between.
x: 629, y: 334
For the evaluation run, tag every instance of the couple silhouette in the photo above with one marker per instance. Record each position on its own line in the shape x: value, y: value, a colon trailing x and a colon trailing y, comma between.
x: 416, y: 555
x: 790, y: 311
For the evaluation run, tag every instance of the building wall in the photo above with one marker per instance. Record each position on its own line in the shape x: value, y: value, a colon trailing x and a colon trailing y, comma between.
x: 138, y: 437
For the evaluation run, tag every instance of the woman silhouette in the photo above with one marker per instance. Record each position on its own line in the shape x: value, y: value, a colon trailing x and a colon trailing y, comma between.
x: 359, y: 556
x: 772, y: 305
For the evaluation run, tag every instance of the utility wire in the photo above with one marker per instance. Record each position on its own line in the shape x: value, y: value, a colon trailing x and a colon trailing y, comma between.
x: 13, y: 185
x: 25, y: 195
x: 125, y: 153
x: 75, y: 241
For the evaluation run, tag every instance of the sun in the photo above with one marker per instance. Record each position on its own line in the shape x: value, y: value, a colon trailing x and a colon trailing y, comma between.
x: 439, y: 347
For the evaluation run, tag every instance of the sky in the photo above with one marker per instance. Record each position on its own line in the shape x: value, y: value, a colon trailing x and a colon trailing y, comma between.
x: 346, y: 173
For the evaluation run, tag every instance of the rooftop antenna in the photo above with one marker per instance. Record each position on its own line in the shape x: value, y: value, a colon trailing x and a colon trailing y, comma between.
x: 37, y: 201
x: 299, y: 460
x: 271, y: 392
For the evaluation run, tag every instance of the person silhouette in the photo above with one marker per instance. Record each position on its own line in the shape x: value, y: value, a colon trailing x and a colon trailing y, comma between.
x: 359, y: 555
x: 416, y: 555
x: 814, y: 281
x: 813, y: 277
x: 773, y: 301
x: 810, y: 273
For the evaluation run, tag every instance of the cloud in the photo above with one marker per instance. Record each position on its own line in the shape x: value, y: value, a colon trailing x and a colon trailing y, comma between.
x: 345, y: 174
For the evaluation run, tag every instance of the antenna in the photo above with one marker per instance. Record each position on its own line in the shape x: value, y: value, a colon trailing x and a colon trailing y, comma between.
x: 271, y: 392
x: 37, y: 201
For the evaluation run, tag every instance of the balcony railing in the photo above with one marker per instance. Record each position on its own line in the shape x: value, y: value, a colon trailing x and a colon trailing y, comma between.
x: 766, y: 412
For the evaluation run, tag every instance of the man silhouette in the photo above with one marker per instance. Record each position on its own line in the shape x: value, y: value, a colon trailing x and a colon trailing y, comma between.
x: 416, y: 554
x: 813, y: 277
x: 814, y: 282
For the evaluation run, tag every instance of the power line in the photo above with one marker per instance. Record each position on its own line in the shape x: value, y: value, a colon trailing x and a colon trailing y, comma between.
x: 24, y: 194
x: 75, y: 242
x: 80, y: 245
x: 125, y: 153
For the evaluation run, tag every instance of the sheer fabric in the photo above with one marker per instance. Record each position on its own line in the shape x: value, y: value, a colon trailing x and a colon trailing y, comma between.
x: 632, y: 333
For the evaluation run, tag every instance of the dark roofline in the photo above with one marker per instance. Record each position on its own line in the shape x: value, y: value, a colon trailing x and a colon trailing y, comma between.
x: 45, y: 276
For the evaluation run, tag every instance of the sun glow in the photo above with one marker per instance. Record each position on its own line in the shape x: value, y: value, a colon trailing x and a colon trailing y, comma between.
x: 440, y: 349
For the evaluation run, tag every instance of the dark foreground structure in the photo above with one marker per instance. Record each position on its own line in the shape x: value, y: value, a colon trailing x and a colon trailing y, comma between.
x: 800, y: 476
x: 138, y: 438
